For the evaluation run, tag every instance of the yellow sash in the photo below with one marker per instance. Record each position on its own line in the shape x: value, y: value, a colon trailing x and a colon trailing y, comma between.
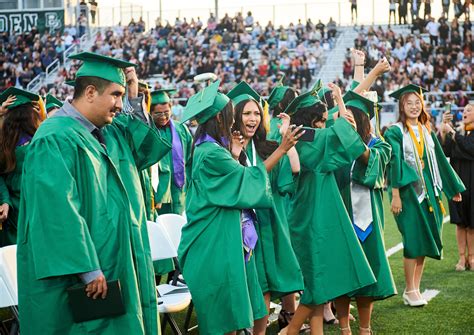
x: 420, y: 146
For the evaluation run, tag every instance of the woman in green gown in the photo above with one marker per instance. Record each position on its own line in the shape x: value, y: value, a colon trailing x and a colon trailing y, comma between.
x: 367, y: 175
x: 24, y: 113
x: 417, y: 174
x: 279, y: 273
x: 321, y: 229
x: 211, y: 251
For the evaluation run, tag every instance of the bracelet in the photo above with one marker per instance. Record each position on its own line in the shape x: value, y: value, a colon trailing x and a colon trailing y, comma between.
x: 359, y: 64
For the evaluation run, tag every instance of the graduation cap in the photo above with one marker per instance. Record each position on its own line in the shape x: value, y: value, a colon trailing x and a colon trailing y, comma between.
x: 242, y: 92
x: 277, y: 94
x: 143, y: 85
x: 162, y: 96
x: 304, y: 100
x: 71, y: 83
x: 108, y: 68
x: 52, y: 102
x: 352, y: 99
x: 206, y: 104
x: 22, y: 98
x: 354, y: 84
x: 411, y: 88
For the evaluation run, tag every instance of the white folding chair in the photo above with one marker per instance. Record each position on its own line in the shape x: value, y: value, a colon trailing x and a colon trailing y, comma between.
x: 9, y: 283
x: 171, y: 298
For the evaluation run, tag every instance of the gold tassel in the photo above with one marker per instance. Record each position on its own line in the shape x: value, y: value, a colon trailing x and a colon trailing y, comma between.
x: 148, y: 101
x: 42, y: 109
x: 443, y: 210
x: 266, y: 116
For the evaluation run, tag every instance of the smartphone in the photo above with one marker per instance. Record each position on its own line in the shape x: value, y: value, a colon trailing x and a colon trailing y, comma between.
x: 308, y: 136
x: 447, y: 108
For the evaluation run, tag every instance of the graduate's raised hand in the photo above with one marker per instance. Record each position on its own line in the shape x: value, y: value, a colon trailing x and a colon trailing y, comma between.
x: 285, y: 122
x: 382, y: 66
x: 132, y: 82
x: 11, y: 99
x: 358, y: 56
x: 237, y: 144
x: 4, y: 208
x: 457, y: 198
x: 290, y: 137
x: 97, y: 288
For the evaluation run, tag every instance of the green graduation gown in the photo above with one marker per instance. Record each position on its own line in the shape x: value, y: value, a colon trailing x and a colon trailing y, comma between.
x: 274, y: 133
x: 420, y: 228
x: 372, y: 176
x: 171, y: 197
x: 278, y: 269
x: 330, y: 255
x: 211, y: 251
x: 82, y: 209
x: 148, y: 194
x: 12, y: 185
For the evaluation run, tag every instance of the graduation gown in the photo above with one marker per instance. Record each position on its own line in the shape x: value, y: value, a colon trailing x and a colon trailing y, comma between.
x: 11, y: 195
x: 461, y: 152
x: 278, y: 269
x: 148, y: 194
x: 274, y: 134
x: 172, y: 197
x: 372, y: 176
x: 168, y: 194
x: 211, y: 251
x: 420, y: 227
x: 330, y: 255
x: 82, y: 209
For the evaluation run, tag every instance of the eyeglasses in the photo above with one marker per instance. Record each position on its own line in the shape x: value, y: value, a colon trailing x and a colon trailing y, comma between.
x: 161, y: 113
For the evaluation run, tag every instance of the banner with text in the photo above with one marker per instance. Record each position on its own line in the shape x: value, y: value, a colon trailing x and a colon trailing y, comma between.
x: 22, y: 22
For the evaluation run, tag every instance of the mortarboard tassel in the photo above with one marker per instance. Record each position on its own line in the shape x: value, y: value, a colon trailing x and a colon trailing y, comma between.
x: 42, y: 109
x: 443, y: 210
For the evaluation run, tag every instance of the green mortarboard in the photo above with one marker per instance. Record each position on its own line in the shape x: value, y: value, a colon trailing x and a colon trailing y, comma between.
x: 51, y: 101
x: 408, y: 89
x: 161, y: 96
x: 352, y: 99
x: 205, y: 104
x: 70, y: 83
x: 143, y: 84
x: 22, y: 97
x: 304, y: 100
x: 95, y: 65
x: 277, y: 94
x: 354, y: 84
x: 242, y: 92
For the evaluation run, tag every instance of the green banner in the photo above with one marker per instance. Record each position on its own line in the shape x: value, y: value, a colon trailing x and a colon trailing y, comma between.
x: 21, y: 22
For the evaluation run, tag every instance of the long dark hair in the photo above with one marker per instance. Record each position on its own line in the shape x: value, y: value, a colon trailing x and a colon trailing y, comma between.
x: 263, y: 147
x: 217, y: 130
x: 362, y: 122
x: 424, y: 117
x: 307, y: 116
x: 289, y: 95
x: 18, y: 121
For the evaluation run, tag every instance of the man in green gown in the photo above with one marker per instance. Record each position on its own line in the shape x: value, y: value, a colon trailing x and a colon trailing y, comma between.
x: 82, y: 216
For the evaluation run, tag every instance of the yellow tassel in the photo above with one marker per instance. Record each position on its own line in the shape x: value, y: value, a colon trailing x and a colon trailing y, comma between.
x: 442, y: 207
x: 266, y: 117
x: 148, y: 101
x: 42, y: 109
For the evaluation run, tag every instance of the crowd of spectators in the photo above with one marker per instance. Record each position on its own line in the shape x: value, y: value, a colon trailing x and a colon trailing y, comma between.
x: 441, y: 64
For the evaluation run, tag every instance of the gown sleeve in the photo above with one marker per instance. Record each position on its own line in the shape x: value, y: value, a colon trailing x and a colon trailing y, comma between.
x: 4, y: 194
x: 452, y: 184
x: 465, y: 144
x: 52, y: 223
x: 146, y: 143
x: 284, y: 180
x: 339, y: 145
x: 372, y: 175
x: 229, y: 184
x: 399, y: 173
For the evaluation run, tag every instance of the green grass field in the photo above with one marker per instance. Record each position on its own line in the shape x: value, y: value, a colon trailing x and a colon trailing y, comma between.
x: 450, y: 312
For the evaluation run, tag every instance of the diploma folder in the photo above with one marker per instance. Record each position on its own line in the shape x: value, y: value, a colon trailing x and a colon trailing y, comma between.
x: 84, y: 308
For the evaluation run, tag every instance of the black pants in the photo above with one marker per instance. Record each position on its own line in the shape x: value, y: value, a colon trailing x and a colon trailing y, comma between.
x: 434, y: 40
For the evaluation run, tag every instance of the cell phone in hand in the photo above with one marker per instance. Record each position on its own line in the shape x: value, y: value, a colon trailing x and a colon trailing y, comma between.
x: 308, y: 136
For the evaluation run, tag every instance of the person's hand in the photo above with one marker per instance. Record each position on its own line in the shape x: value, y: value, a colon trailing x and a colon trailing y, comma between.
x: 285, y: 123
x: 132, y: 82
x: 358, y: 56
x: 237, y: 144
x: 382, y: 66
x: 97, y: 287
x: 10, y: 100
x: 4, y: 208
x: 446, y: 128
x: 336, y: 92
x: 349, y: 118
x: 447, y: 117
x: 457, y: 198
x: 158, y: 205
x: 290, y: 138
x: 396, y: 205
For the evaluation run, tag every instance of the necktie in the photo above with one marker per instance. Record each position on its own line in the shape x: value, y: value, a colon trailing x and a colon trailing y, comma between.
x: 98, y: 135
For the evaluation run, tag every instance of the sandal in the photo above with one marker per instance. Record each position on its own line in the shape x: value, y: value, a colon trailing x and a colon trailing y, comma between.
x: 460, y: 267
x: 363, y: 330
x: 345, y: 329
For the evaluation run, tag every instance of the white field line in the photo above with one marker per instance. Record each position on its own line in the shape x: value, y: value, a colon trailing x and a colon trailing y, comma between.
x: 399, y: 246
